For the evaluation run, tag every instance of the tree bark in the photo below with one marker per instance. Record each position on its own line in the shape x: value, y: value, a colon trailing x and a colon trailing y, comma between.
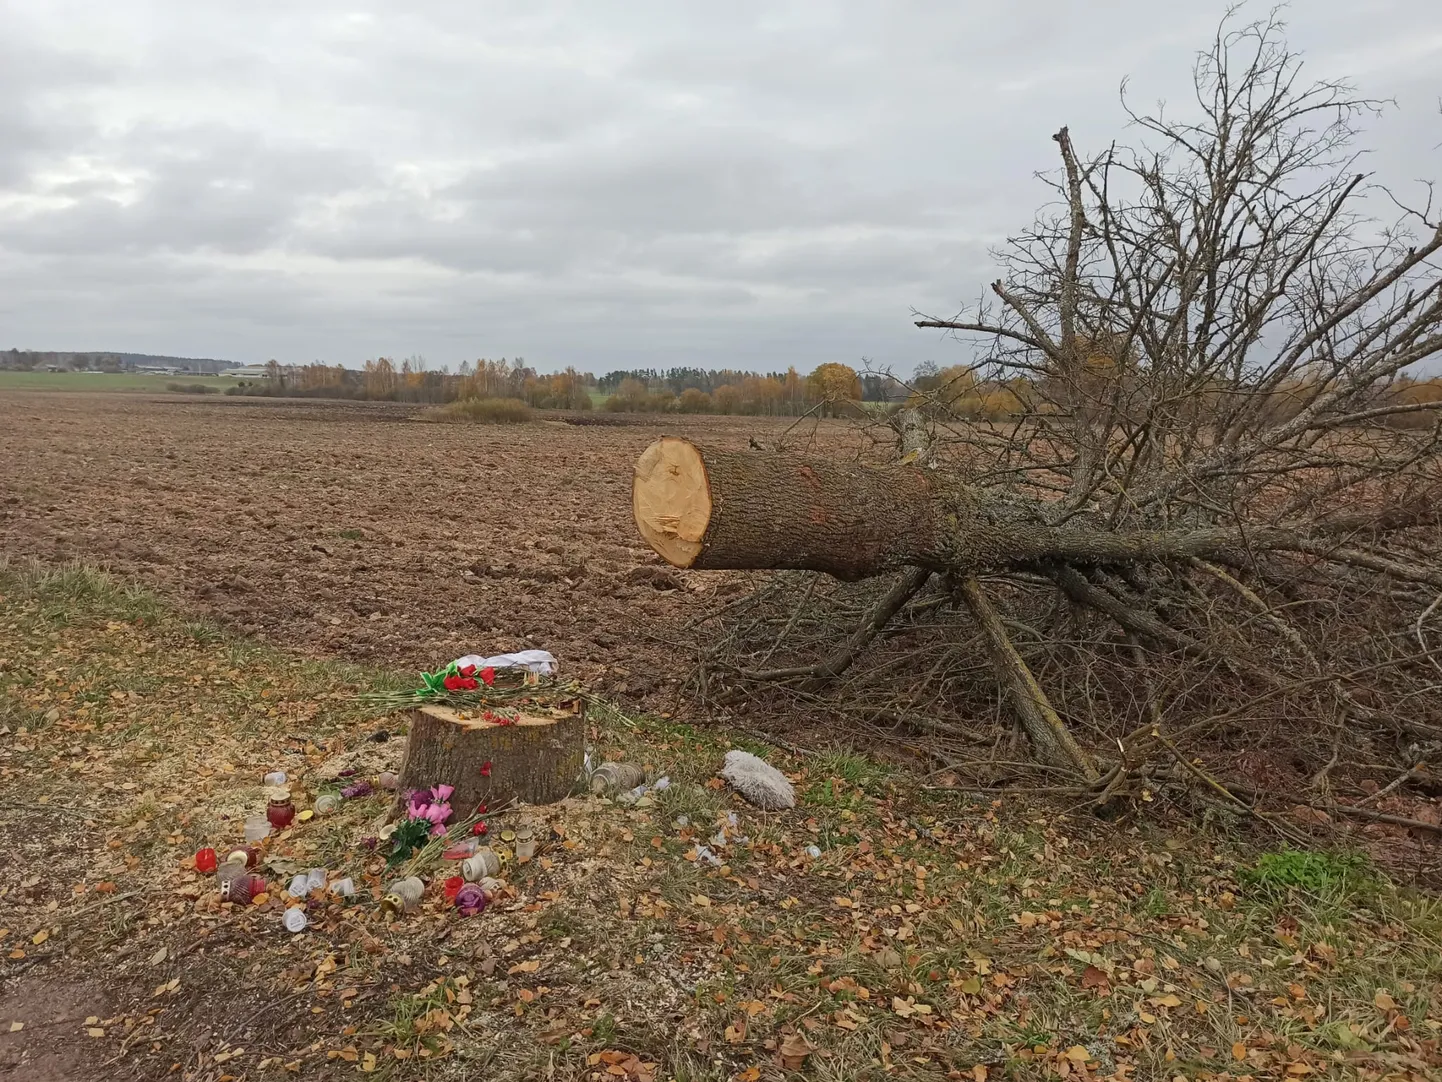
x: 534, y: 761
x: 708, y: 510
x: 1048, y: 734
x: 724, y: 509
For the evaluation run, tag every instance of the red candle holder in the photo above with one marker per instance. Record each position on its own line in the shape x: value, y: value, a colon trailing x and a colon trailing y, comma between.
x: 241, y: 889
x: 453, y: 887
x: 280, y: 813
x: 248, y: 856
x: 205, y: 860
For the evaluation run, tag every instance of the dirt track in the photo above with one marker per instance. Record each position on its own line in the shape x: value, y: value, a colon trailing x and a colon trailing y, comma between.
x: 350, y: 528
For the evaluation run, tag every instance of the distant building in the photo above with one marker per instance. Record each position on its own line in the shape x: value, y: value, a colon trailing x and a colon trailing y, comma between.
x: 247, y: 371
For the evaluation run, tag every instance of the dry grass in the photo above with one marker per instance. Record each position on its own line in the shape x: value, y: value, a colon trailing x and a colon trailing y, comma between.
x: 935, y: 936
x: 486, y: 411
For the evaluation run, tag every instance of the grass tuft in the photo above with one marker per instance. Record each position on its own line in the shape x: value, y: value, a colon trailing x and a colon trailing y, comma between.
x: 486, y: 411
x: 73, y: 593
x: 1325, y: 875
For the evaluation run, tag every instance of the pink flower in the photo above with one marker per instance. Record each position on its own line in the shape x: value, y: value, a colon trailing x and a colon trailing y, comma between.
x: 443, y: 792
x: 436, y: 814
x: 438, y: 830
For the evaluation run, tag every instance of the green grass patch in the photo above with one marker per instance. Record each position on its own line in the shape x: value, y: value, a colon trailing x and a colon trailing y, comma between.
x: 93, y: 381
x: 72, y: 592
x: 1323, y: 875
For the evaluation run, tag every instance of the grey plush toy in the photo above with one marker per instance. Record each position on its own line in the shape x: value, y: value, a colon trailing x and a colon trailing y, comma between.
x: 758, y: 781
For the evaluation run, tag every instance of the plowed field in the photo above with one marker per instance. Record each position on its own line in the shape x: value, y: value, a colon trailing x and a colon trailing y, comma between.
x: 362, y: 530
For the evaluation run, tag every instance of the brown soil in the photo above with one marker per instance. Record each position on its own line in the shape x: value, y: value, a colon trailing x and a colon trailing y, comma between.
x: 359, y: 529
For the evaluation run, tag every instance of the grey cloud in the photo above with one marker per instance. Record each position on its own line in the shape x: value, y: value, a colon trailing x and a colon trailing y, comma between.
x: 187, y: 189
x: 580, y: 181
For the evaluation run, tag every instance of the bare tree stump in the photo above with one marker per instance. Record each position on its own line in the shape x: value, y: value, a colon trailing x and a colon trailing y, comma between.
x: 536, y: 760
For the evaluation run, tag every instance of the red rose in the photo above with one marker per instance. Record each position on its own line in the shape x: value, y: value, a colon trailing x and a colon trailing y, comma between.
x: 468, y: 670
x: 479, y: 828
x: 480, y: 809
x: 488, y: 676
x: 468, y: 684
x: 486, y: 769
x: 452, y: 683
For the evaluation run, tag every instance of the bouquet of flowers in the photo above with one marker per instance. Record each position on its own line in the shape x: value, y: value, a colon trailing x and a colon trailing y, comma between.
x: 426, y: 813
x: 457, y: 677
x: 487, y: 683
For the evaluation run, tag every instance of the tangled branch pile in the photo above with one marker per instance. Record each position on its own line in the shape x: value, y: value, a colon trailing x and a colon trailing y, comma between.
x: 1203, y: 531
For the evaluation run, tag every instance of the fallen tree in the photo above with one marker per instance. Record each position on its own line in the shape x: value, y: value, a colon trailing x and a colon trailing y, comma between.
x: 710, y: 509
x: 1203, y: 510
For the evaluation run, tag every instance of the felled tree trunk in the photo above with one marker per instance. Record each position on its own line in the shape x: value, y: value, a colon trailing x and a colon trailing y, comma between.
x: 534, y: 761
x: 707, y: 509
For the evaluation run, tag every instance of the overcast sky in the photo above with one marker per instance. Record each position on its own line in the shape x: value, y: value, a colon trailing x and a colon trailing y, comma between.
x: 605, y: 183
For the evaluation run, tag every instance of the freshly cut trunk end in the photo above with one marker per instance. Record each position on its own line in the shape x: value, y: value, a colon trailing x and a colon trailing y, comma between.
x: 671, y: 499
x: 709, y: 510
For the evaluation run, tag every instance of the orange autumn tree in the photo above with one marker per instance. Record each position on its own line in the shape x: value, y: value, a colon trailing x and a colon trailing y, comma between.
x: 834, y: 384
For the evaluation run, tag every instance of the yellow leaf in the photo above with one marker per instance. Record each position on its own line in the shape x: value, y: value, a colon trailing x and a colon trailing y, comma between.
x: 971, y: 986
x: 1298, y: 1069
x: 1239, y: 1051
x: 40, y: 937
x: 95, y: 1031
x: 701, y: 900
x: 1382, y: 1000
x: 1078, y: 1055
x: 368, y: 1063
x: 751, y: 1074
x: 16, y: 1027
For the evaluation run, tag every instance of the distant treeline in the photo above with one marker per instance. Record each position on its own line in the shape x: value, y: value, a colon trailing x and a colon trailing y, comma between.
x: 410, y: 381
x: 831, y: 389
x: 680, y: 390
x: 873, y: 388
